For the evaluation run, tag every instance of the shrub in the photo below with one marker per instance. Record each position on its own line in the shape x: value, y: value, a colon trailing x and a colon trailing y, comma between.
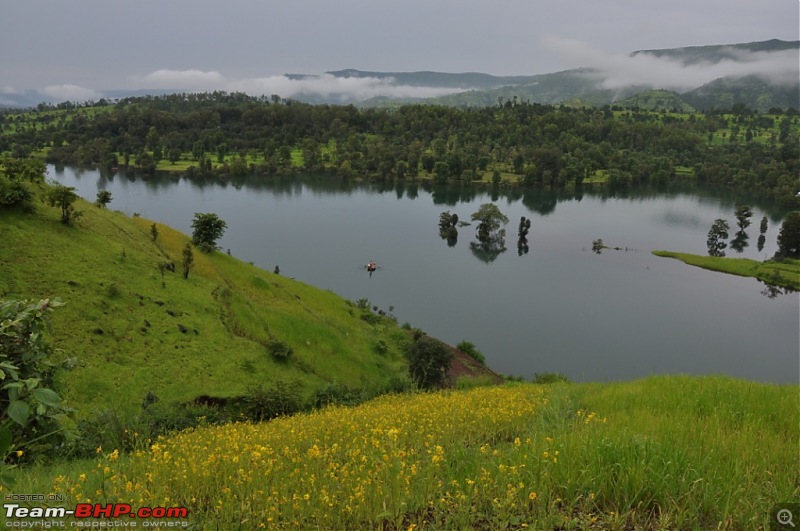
x: 264, y: 404
x: 381, y: 347
x: 468, y: 348
x: 338, y: 394
x: 279, y: 350
x: 113, y: 290
x: 428, y: 362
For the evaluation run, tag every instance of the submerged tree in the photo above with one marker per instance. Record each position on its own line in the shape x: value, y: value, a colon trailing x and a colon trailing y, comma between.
x: 739, y: 241
x: 789, y: 236
x: 491, y: 232
x: 447, y: 228
x: 762, y: 237
x: 716, y: 238
x: 743, y: 213
x: 522, y: 235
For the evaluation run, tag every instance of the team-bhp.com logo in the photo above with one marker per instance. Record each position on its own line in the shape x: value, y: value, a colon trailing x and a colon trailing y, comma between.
x: 88, y: 514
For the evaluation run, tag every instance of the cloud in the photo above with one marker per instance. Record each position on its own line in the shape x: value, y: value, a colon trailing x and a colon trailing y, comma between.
x: 183, y: 79
x: 327, y: 85
x: 8, y: 89
x: 621, y: 70
x: 70, y: 93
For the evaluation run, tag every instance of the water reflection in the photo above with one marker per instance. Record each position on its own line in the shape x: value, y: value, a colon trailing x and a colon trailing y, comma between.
x: 773, y: 291
x: 739, y: 241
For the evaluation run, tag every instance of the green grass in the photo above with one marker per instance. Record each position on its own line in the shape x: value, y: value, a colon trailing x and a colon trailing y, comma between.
x: 192, y: 337
x: 784, y: 273
x: 674, y: 452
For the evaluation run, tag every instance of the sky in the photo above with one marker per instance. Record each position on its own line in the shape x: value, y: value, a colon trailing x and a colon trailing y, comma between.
x: 75, y: 49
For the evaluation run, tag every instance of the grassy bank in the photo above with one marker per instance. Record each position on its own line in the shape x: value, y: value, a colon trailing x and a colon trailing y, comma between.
x: 660, y: 453
x: 126, y: 333
x: 785, y: 273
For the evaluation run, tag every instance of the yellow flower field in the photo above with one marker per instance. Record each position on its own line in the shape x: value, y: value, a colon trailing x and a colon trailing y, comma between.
x: 505, y: 457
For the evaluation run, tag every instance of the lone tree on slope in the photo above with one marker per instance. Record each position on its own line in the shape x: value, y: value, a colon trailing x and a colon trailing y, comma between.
x: 207, y: 229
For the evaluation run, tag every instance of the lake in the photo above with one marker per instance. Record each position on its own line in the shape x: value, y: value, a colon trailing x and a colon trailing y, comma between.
x: 560, y: 307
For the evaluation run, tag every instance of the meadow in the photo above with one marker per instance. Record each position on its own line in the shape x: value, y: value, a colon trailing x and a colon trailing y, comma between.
x: 671, y: 452
x: 784, y: 273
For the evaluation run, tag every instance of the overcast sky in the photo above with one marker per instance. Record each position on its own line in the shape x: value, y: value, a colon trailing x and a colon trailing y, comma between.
x: 75, y: 48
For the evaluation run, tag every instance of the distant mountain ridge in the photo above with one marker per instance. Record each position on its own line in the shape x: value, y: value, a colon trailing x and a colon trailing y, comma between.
x: 583, y: 85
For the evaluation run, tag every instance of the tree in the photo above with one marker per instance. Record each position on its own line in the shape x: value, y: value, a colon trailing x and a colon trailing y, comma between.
x: 491, y: 232
x: 207, y: 229
x: 103, y: 198
x: 64, y: 197
x: 743, y: 214
x: 188, y: 260
x: 789, y: 236
x: 428, y: 362
x: 716, y: 237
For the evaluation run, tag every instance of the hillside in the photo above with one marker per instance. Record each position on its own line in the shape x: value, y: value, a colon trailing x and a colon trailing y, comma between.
x: 122, y: 335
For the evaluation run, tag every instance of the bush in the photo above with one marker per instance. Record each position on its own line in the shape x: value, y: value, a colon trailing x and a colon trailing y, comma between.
x: 381, y: 347
x: 113, y: 290
x: 264, y: 404
x: 279, y: 350
x: 468, y: 348
x: 338, y: 394
x: 428, y: 362
x: 15, y: 194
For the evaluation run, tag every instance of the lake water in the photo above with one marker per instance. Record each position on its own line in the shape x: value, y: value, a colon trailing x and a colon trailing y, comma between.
x: 559, y: 308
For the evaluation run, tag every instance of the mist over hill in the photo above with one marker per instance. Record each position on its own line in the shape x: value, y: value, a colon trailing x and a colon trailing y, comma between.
x: 762, y: 75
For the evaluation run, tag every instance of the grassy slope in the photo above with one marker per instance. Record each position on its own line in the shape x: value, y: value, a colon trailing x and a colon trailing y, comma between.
x: 234, y: 308
x: 785, y: 274
x: 673, y: 452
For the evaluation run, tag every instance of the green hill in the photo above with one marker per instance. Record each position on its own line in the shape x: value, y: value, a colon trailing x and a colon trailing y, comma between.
x: 657, y: 100
x: 123, y: 334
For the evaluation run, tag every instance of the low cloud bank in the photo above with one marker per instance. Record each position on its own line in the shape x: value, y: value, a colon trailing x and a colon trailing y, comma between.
x: 70, y: 93
x: 622, y: 70
x: 327, y: 85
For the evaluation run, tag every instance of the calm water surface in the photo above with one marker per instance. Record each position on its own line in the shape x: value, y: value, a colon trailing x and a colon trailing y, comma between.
x: 560, y: 307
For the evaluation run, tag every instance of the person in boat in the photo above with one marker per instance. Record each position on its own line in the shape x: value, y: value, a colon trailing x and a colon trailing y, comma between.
x: 372, y: 266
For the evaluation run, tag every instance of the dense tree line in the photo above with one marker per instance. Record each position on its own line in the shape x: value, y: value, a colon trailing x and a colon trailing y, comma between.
x: 541, y: 145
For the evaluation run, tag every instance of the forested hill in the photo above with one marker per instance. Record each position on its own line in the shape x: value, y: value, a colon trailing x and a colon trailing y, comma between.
x: 511, y: 143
